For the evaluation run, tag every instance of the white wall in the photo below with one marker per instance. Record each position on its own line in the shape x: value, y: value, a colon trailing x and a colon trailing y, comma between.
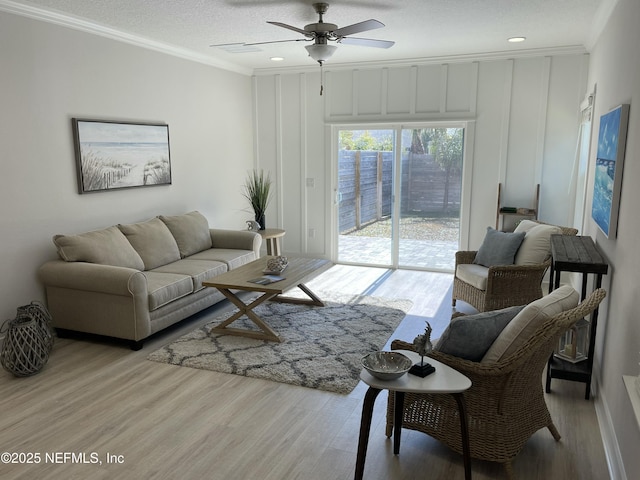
x: 526, y: 123
x: 49, y: 74
x: 615, y: 72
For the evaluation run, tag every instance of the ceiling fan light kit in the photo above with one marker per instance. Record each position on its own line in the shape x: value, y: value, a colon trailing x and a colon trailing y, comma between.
x: 321, y: 52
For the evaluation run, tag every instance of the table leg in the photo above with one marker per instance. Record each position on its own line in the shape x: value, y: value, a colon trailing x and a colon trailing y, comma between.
x: 398, y: 413
x: 464, y: 431
x: 365, y: 428
x: 267, y: 332
x: 312, y: 300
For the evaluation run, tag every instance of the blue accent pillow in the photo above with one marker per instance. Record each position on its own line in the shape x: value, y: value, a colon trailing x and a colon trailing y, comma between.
x: 470, y: 336
x: 498, y: 248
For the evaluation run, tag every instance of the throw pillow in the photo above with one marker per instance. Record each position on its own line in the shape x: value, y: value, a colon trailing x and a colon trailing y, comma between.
x: 470, y: 336
x: 106, y: 247
x: 498, y: 248
x: 536, y: 246
x: 526, y: 225
x: 153, y: 242
x: 527, y: 322
x: 191, y: 232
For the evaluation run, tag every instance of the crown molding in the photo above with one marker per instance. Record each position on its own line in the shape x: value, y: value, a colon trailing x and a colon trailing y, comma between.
x: 113, y: 34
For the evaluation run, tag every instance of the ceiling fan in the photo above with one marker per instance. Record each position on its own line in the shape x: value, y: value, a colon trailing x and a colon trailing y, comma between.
x: 322, y: 33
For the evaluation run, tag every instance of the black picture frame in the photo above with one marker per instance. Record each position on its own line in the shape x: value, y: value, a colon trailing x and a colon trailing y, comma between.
x: 114, y: 155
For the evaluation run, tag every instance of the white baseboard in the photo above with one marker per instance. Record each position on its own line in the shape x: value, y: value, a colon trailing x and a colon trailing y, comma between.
x: 609, y: 439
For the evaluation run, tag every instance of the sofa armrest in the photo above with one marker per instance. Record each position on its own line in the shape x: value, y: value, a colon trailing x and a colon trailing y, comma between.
x: 92, y: 277
x: 236, y: 239
x: 97, y: 299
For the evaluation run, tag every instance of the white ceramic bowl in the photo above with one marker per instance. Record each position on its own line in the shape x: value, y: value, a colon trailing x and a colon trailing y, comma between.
x: 386, y: 365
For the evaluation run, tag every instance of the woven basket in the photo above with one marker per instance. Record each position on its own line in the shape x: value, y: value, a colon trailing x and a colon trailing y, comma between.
x: 28, y: 341
x: 39, y: 313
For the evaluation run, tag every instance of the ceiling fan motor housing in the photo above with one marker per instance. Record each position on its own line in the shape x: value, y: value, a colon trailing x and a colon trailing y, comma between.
x: 320, y: 27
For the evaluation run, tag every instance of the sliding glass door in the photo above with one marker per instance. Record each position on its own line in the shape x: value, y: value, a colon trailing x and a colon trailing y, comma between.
x: 365, y: 191
x: 398, y: 196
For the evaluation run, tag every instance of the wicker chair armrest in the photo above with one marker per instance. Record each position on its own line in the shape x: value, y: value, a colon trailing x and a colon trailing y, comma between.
x: 516, y: 276
x: 466, y: 367
x: 511, y: 269
x: 465, y: 256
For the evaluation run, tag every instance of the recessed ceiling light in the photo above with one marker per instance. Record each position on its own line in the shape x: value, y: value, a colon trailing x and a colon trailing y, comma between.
x: 277, y: 59
x: 516, y: 39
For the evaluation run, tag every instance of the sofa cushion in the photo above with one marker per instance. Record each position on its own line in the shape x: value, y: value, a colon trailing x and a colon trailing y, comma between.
x: 191, y: 232
x: 153, y: 241
x: 527, y: 322
x: 474, y: 275
x: 106, y: 247
x: 199, y: 270
x: 165, y: 287
x: 470, y: 336
x: 233, y: 258
x: 498, y: 248
x: 536, y: 246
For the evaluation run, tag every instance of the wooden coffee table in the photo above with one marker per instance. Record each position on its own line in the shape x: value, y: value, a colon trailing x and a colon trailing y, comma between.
x: 299, y: 271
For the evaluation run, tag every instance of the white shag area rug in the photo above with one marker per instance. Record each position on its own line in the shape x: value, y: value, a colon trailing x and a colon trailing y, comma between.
x: 321, y: 346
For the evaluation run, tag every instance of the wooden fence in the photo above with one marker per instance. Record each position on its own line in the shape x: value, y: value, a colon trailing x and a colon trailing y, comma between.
x: 365, y: 180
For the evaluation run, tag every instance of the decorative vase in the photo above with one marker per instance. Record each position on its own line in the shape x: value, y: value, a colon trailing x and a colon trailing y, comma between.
x: 260, y: 219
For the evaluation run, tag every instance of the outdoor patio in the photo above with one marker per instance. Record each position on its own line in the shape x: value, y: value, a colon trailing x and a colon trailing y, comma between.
x: 426, y: 242
x: 437, y: 255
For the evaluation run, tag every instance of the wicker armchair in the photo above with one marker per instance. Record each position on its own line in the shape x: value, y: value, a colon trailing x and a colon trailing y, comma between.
x: 505, y: 404
x: 507, y: 285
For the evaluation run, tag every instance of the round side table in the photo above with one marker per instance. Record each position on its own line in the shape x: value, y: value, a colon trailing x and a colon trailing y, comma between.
x: 444, y: 380
x: 272, y: 236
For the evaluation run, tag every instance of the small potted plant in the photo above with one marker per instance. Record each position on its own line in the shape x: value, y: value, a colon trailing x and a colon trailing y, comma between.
x: 257, y: 189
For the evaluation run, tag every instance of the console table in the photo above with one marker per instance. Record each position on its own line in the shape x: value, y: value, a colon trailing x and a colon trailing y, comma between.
x: 575, y: 254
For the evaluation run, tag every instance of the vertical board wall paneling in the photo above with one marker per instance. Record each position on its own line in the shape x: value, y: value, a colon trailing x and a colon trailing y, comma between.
x: 278, y: 150
x: 399, y: 90
x: 291, y: 162
x: 317, y: 157
x: 542, y: 124
x: 428, y: 92
x: 528, y: 106
x: 368, y: 88
x: 384, y: 91
x: 506, y: 117
x: 428, y: 89
x: 304, y: 200
x: 444, y: 84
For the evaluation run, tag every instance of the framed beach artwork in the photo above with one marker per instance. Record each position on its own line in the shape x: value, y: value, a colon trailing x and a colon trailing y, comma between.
x: 608, y: 174
x: 114, y: 155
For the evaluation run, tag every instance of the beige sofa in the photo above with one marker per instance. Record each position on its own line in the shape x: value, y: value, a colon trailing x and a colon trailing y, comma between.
x: 130, y: 281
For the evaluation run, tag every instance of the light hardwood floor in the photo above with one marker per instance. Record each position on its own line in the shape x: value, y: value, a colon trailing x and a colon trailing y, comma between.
x: 160, y: 421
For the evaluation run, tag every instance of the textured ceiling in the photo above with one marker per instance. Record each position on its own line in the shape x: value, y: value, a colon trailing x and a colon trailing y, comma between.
x: 420, y: 28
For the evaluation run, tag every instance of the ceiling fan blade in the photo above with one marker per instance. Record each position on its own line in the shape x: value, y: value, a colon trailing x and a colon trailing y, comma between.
x: 280, y: 41
x: 289, y: 27
x: 366, y: 42
x: 358, y: 27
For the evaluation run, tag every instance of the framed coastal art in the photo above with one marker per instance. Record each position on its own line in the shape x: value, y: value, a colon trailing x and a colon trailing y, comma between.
x: 112, y: 155
x: 612, y: 139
